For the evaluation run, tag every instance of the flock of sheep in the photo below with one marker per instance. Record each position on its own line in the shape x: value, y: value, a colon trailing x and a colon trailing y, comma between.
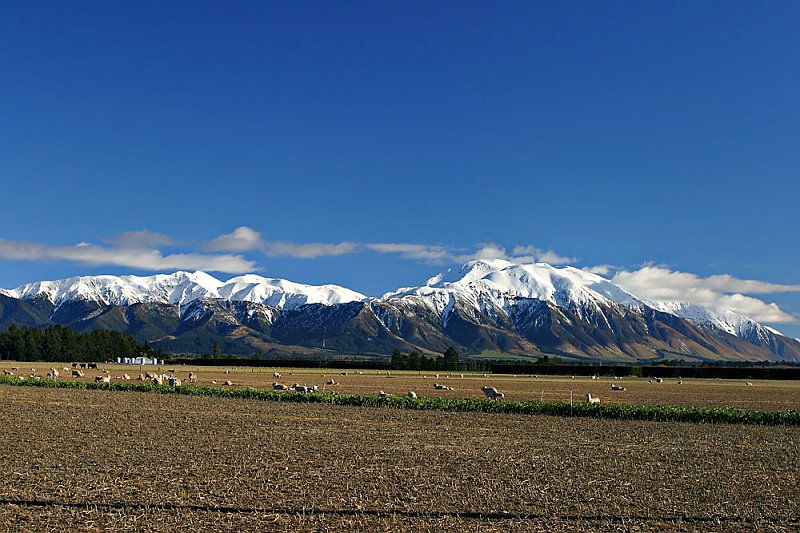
x: 172, y: 380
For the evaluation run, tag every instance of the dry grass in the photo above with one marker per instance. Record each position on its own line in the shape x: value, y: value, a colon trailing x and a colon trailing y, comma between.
x: 765, y: 395
x: 94, y: 460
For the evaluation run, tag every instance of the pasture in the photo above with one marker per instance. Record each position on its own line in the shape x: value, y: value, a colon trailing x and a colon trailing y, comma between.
x: 765, y: 395
x: 94, y: 460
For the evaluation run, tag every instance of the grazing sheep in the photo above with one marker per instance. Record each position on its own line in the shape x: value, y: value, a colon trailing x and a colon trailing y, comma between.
x: 279, y: 386
x: 228, y: 383
x: 493, y: 393
x: 276, y: 375
x: 436, y: 376
x: 213, y: 381
x: 591, y: 399
x: 7, y: 373
x: 103, y: 379
x: 125, y: 377
x: 617, y: 387
x: 15, y: 369
x: 680, y: 382
x: 77, y: 373
x: 149, y: 376
x: 331, y: 382
x: 748, y: 384
x: 192, y: 377
x: 659, y: 380
x: 462, y: 376
x: 442, y: 387
x: 382, y: 394
x: 158, y: 380
x: 411, y: 394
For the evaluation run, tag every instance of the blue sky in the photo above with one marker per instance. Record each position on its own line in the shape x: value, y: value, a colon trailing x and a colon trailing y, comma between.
x: 372, y: 144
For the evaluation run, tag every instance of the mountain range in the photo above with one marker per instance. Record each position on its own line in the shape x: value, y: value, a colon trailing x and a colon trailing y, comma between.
x: 485, y: 306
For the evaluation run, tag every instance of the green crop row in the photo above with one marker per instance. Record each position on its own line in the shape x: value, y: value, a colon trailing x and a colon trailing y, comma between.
x: 715, y: 415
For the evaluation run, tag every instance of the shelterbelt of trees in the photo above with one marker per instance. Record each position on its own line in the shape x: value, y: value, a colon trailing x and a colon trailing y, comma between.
x: 60, y: 343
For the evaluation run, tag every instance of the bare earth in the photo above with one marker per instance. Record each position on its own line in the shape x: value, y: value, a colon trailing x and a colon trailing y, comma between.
x: 97, y: 460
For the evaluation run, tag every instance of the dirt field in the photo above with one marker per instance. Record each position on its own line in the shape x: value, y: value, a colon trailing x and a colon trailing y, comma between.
x: 96, y: 460
x: 765, y: 394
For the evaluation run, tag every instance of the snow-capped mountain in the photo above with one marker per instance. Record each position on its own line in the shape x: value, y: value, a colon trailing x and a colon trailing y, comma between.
x: 495, y: 305
x: 182, y: 288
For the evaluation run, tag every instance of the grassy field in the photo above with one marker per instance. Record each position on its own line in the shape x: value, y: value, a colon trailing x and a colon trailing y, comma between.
x: 97, y: 460
x: 768, y: 395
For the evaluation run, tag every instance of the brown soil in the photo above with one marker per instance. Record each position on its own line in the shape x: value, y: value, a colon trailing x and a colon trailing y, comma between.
x: 96, y: 460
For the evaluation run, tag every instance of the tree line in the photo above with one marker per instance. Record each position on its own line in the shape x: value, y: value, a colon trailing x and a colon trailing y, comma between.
x: 60, y: 343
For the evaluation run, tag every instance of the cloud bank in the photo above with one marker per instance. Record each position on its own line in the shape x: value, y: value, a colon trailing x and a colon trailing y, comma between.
x: 719, y: 292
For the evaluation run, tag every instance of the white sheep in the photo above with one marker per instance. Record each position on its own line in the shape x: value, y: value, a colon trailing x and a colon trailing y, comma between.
x: 411, y: 394
x: 748, y: 384
x: 659, y: 380
x: 228, y: 382
x: 192, y: 377
x: 53, y: 374
x: 77, y: 373
x: 492, y: 393
x: 157, y: 380
x: 617, y: 387
x: 213, y: 381
x: 276, y: 375
x: 279, y: 386
x: 382, y: 394
x: 103, y: 379
x: 680, y: 382
x: 592, y: 399
x: 331, y: 382
x: 7, y: 373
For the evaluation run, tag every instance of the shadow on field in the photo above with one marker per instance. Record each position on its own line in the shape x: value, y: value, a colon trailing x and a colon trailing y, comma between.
x: 308, y: 511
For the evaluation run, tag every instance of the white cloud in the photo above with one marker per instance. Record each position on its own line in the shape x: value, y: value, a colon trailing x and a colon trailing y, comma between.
x: 309, y: 250
x: 719, y: 292
x: 132, y: 257
x: 242, y: 239
x: 601, y: 270
x: 140, y: 239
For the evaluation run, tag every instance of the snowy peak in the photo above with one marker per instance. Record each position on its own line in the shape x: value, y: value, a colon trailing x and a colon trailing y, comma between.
x: 498, y: 282
x: 285, y: 294
x: 182, y: 288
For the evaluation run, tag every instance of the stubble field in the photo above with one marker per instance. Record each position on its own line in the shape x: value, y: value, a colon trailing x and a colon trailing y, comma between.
x: 96, y: 460
x: 766, y: 395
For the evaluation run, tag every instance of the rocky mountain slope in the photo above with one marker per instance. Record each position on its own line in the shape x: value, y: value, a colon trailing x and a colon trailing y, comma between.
x: 495, y: 305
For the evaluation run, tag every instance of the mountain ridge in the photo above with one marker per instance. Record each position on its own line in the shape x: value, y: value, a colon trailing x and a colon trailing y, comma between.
x: 494, y: 305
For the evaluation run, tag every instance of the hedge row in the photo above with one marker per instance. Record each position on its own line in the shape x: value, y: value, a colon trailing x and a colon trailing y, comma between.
x: 715, y: 415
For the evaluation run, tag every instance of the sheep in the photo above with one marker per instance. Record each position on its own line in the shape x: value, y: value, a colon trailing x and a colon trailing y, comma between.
x: 125, y: 377
x: 436, y: 376
x: 592, y: 399
x: 748, y: 384
x: 157, y: 380
x: 148, y: 375
x: 492, y: 393
x: 7, y: 373
x: 680, y: 382
x: 462, y: 376
x: 77, y: 373
x: 279, y: 386
x: 331, y: 382
x: 192, y: 377
x: 617, y: 387
x: 276, y: 375
x: 659, y: 380
x: 411, y: 394
x: 140, y: 377
x: 102, y: 379
x: 382, y: 394
x: 442, y: 387
x: 228, y: 382
x: 15, y: 369
x: 213, y: 381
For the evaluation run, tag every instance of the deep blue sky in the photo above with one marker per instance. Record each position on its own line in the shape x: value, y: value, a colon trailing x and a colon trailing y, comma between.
x: 613, y: 132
